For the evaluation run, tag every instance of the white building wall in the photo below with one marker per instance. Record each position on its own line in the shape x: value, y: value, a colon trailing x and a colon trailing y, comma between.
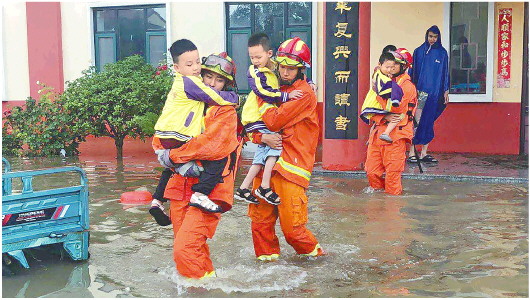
x: 201, y: 22
x: 15, y: 52
x: 77, y: 38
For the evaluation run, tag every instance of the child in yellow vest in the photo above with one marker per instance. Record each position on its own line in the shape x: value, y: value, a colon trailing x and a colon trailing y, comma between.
x: 264, y: 84
x: 389, y: 91
x: 182, y: 119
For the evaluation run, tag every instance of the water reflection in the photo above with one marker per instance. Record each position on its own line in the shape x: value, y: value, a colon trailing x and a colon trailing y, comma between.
x: 440, y: 239
x: 50, y: 276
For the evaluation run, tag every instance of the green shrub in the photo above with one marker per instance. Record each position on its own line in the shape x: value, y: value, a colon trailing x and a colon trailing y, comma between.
x: 118, y: 101
x: 124, y: 99
x: 40, y: 128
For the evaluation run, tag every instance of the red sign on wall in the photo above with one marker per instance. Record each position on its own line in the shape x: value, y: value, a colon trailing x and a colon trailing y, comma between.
x: 504, y: 55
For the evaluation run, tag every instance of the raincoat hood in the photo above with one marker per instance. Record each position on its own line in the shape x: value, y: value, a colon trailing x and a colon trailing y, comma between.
x: 434, y: 29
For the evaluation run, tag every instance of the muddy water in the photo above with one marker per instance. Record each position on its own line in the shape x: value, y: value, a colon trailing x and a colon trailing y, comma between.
x: 440, y: 239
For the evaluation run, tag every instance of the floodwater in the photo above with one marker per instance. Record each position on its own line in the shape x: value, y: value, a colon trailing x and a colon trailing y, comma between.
x: 440, y: 239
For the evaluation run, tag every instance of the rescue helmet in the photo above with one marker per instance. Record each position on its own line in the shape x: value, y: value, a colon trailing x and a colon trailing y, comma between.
x: 294, y: 52
x: 222, y: 64
x: 403, y: 56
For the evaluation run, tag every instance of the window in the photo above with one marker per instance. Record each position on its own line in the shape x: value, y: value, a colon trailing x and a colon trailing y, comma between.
x: 124, y: 31
x: 279, y: 20
x: 471, y: 51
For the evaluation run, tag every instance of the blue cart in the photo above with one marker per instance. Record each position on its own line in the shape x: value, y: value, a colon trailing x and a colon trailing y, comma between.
x: 51, y: 216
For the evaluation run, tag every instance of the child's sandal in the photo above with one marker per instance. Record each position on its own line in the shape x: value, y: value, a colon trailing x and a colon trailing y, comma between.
x: 412, y: 159
x: 204, y: 203
x: 429, y: 159
x: 245, y: 195
x: 268, y: 195
x: 160, y: 216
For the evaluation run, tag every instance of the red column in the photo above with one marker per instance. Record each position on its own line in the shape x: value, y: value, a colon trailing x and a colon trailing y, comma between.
x: 345, y: 155
x: 45, y: 50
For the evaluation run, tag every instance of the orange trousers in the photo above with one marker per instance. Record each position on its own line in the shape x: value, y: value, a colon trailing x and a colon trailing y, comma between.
x: 191, y: 228
x: 388, y: 159
x: 292, y: 213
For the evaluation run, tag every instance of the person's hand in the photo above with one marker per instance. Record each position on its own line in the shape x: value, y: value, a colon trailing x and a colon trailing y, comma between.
x: 190, y: 169
x: 446, y: 97
x: 273, y: 140
x: 314, y: 87
x: 295, y: 94
x: 163, y: 158
x: 393, y: 118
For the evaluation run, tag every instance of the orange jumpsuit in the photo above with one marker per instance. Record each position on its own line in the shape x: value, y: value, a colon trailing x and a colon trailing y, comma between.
x: 192, y: 226
x: 297, y: 120
x: 383, y: 157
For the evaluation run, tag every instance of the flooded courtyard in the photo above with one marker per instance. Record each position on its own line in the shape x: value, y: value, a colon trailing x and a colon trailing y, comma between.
x: 440, y: 239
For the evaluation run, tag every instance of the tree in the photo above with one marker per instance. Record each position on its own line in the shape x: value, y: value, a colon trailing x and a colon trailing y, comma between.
x: 40, y: 128
x: 111, y: 103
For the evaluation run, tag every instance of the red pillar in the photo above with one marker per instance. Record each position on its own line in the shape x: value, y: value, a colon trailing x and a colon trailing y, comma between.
x: 45, y: 49
x: 343, y: 155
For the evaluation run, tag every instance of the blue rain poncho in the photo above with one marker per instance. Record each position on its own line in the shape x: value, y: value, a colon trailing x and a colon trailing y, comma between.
x: 430, y: 74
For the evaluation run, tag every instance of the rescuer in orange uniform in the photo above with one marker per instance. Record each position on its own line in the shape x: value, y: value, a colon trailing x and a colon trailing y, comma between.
x: 389, y: 158
x: 297, y: 121
x: 192, y: 226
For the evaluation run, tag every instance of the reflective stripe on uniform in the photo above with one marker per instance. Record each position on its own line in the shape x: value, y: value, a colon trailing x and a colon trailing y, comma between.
x: 265, y: 107
x: 257, y: 82
x: 172, y: 134
x: 314, y: 252
x: 294, y: 169
x: 268, y: 257
x: 385, y: 91
x: 206, y: 275
x: 209, y: 274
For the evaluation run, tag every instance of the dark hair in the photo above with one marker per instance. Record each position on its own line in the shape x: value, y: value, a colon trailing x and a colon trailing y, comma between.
x: 389, y: 48
x: 386, y: 56
x: 260, y: 38
x: 179, y: 47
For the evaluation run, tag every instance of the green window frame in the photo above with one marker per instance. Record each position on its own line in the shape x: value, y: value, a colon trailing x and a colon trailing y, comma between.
x: 98, y: 37
x: 148, y: 43
x: 288, y: 29
x: 241, y: 75
x: 289, y: 32
x: 114, y: 32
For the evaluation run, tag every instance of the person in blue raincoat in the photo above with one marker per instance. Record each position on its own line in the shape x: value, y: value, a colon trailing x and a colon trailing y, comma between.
x: 430, y: 74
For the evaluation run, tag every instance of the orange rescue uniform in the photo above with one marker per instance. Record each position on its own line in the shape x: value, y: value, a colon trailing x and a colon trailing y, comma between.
x: 383, y: 157
x: 297, y: 120
x: 191, y: 225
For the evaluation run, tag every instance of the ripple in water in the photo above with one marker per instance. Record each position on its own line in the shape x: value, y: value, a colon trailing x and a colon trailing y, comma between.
x: 262, y: 278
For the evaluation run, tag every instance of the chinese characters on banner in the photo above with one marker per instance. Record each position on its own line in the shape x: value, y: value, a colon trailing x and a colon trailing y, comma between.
x: 342, y: 42
x: 504, y: 57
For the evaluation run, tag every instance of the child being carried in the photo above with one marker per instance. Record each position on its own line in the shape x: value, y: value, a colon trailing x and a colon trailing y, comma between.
x: 264, y: 84
x: 182, y: 119
x: 384, y: 94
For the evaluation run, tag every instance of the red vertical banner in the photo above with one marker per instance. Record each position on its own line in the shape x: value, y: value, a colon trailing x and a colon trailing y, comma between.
x: 504, y: 55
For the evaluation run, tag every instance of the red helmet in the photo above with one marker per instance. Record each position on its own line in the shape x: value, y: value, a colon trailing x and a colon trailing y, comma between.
x: 294, y: 52
x: 403, y: 56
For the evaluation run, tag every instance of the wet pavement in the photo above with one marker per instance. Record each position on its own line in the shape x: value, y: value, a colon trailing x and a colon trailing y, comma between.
x: 442, y: 238
x: 460, y: 167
